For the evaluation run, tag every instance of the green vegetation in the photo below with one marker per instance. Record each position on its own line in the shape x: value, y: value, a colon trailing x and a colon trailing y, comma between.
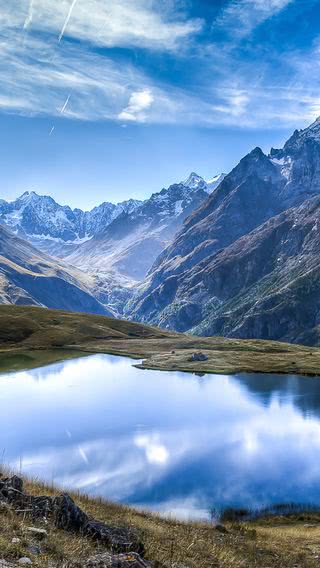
x: 31, y: 336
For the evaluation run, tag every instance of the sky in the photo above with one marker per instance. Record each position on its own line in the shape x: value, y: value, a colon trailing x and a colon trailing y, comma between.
x: 103, y: 100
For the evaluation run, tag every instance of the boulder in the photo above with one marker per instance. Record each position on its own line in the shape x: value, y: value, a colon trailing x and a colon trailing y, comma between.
x: 198, y: 357
x: 68, y: 516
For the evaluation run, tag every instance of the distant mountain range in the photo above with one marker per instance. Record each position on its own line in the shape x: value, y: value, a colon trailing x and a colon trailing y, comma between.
x: 57, y: 228
x: 238, y: 255
x: 131, y: 243
x: 126, y: 237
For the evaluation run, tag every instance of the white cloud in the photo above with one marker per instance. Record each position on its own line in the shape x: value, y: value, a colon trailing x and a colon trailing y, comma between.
x: 139, y: 102
x: 142, y: 23
x: 38, y: 74
x: 240, y: 17
x: 156, y: 453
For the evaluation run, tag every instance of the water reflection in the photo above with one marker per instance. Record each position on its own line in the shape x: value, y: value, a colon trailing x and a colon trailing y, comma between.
x: 167, y: 441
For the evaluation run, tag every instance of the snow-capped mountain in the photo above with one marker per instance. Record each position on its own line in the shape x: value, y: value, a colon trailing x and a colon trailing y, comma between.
x: 213, y: 183
x: 57, y: 228
x: 131, y: 243
x: 194, y: 181
x: 131, y: 226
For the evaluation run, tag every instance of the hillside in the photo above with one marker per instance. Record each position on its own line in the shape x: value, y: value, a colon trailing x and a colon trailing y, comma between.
x: 29, y: 335
x: 245, y: 263
x: 28, y: 276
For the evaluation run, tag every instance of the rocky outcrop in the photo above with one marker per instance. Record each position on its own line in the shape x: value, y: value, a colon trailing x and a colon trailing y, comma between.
x: 66, y: 515
x: 124, y: 548
x: 198, y: 357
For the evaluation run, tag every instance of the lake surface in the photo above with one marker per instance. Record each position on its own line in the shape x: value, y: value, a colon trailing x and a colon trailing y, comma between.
x: 168, y: 441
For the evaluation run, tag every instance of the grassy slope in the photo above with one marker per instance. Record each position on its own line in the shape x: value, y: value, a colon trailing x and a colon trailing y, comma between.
x: 26, y: 330
x: 280, y: 542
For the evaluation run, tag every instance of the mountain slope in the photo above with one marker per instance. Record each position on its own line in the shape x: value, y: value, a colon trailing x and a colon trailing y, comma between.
x: 224, y: 261
x: 132, y: 242
x: 30, y: 277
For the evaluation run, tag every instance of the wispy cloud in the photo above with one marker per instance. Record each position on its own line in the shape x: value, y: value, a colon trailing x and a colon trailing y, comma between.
x: 38, y: 72
x: 140, y: 23
x: 240, y: 17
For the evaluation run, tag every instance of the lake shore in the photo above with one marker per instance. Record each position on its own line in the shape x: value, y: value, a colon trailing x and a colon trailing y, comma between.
x: 38, y: 336
x: 277, y: 541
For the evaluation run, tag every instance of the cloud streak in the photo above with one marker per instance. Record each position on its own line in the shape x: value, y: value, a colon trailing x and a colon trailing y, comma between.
x: 29, y: 17
x: 112, y: 23
x: 67, y: 20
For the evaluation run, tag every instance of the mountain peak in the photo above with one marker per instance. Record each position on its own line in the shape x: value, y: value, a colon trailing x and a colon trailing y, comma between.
x: 194, y: 181
x: 27, y: 194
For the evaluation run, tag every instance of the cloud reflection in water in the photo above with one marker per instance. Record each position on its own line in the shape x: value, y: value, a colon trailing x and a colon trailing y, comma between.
x: 167, y: 441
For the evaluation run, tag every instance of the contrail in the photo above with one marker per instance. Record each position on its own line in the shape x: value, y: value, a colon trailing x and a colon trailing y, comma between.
x: 51, y: 131
x: 29, y: 17
x: 67, y: 19
x: 65, y: 104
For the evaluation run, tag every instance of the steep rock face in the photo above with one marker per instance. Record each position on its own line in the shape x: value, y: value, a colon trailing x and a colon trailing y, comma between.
x: 266, y: 284
x: 228, y: 254
x: 133, y: 240
x: 30, y: 277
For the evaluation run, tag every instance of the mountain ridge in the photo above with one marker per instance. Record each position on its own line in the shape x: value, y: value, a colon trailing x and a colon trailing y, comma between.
x: 192, y: 285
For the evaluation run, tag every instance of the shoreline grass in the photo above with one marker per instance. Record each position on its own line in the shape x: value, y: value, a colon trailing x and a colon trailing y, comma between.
x: 28, y: 330
x: 277, y: 541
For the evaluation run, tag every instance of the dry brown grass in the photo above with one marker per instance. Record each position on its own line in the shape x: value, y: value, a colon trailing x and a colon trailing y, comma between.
x: 27, y: 330
x: 277, y: 542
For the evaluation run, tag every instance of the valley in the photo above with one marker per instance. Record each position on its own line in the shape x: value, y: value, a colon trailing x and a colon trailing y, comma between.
x: 236, y: 256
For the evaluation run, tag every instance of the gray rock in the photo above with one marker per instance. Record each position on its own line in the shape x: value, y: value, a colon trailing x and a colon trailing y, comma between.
x: 221, y: 528
x: 34, y: 549
x: 198, y: 357
x: 15, y: 540
x: 68, y: 516
x: 24, y: 561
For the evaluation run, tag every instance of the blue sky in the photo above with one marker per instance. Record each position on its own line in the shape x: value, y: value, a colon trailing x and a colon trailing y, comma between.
x: 109, y: 99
